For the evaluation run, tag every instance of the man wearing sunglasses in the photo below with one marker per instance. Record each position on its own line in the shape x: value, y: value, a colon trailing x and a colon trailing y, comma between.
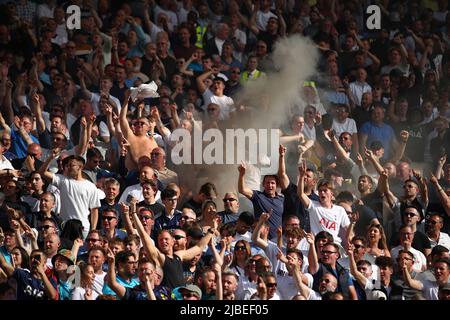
x: 433, y: 225
x: 412, y: 216
x: 328, y: 265
x: 231, y: 208
x: 110, y: 220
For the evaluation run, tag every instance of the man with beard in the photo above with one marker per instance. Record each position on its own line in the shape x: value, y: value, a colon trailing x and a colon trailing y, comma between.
x: 79, y: 197
x: 126, y: 271
x: 230, y: 282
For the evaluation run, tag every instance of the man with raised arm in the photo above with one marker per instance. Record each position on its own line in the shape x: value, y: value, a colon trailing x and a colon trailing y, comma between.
x: 170, y: 261
x: 266, y: 201
x: 140, y: 142
x: 79, y: 197
x: 323, y: 214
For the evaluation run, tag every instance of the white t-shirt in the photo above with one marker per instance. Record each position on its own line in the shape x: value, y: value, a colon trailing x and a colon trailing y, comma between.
x: 77, y: 198
x: 420, y: 262
x: 262, y: 18
x: 287, y: 288
x: 79, y: 292
x: 136, y: 191
x: 99, y: 282
x: 349, y: 125
x: 278, y: 267
x: 225, y: 103
x: 95, y: 99
x: 5, y: 163
x: 330, y: 220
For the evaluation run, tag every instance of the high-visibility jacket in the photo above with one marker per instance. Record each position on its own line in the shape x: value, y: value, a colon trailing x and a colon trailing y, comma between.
x: 200, y: 34
x: 245, y: 76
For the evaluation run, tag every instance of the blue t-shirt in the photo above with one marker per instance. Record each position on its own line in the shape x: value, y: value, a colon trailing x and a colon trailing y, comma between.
x: 64, y: 290
x: 133, y: 283
x: 18, y: 145
x: 383, y: 133
x: 262, y: 203
x: 163, y: 222
x: 6, y: 254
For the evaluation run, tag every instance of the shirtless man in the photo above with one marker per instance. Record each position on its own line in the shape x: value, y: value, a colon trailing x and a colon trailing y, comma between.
x: 140, y: 143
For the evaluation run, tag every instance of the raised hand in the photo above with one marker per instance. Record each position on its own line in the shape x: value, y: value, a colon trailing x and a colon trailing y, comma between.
x: 310, y: 238
x: 242, y: 167
x: 265, y: 216
x: 281, y: 150
x: 442, y: 160
x: 433, y: 179
x: 404, y: 135
x: 302, y: 169
x: 110, y: 256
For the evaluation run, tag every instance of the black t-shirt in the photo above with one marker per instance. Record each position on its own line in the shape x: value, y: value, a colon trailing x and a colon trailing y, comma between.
x: 173, y: 272
x: 139, y: 293
x: 157, y: 208
x: 293, y: 205
x: 375, y: 202
x: 366, y: 215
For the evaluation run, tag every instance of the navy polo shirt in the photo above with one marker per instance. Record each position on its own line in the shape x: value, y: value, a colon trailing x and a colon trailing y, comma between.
x: 263, y: 203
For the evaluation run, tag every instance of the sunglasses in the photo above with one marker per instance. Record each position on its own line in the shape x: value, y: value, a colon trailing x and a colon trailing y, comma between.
x: 240, y: 248
x: 410, y: 214
x: 327, y: 252
x: 358, y: 246
x: 139, y: 123
x: 432, y: 222
x: 178, y: 237
x: 271, y: 285
x: 108, y: 218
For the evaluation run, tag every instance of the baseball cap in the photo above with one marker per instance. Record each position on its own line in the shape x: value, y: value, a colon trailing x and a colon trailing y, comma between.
x: 192, y: 288
x: 219, y: 79
x: 65, y: 254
